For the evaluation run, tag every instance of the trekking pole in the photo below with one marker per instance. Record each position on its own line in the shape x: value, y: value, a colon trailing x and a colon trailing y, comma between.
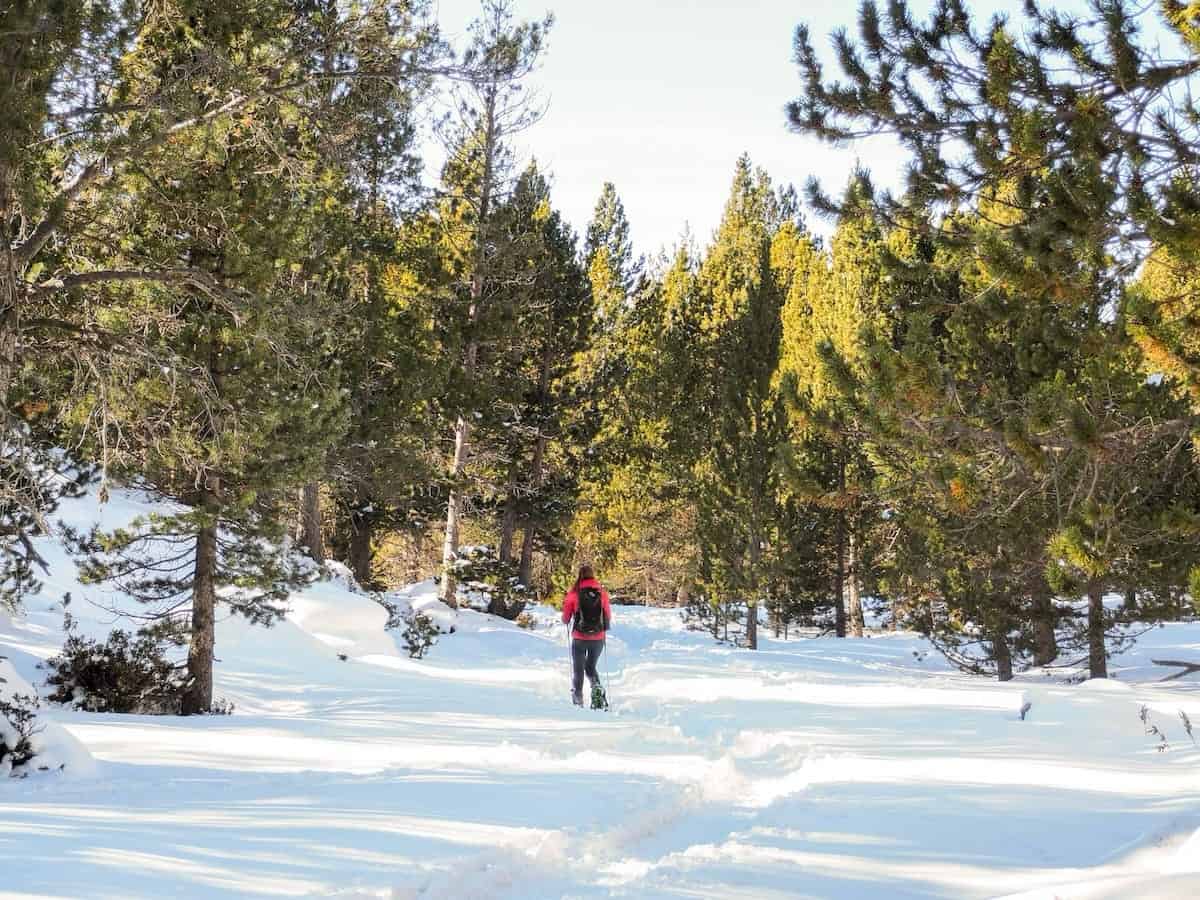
x: 607, y: 676
x: 570, y: 659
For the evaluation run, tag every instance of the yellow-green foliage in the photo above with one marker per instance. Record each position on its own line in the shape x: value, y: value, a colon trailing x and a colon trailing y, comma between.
x: 1164, y: 320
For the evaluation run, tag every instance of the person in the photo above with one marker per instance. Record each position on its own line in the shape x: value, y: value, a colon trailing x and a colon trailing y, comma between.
x: 587, y: 607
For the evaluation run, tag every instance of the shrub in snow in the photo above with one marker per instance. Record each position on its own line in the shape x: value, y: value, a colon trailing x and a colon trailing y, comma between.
x: 28, y: 742
x: 1152, y: 729
x: 18, y: 725
x: 525, y: 620
x: 703, y: 613
x: 125, y: 674
x: 340, y: 574
x: 420, y: 633
x: 489, y: 583
x: 395, y: 612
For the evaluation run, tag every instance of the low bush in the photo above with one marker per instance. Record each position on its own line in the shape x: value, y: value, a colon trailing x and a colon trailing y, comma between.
x: 489, y: 583
x: 125, y: 674
x: 18, y: 725
x: 420, y: 633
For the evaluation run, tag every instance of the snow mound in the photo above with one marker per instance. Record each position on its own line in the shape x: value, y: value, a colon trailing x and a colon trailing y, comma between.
x: 422, y: 597
x: 54, y: 748
x: 1187, y: 859
x: 1105, y: 686
x: 339, y: 573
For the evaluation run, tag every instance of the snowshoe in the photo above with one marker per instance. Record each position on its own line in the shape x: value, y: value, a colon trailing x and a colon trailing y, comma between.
x: 599, y: 700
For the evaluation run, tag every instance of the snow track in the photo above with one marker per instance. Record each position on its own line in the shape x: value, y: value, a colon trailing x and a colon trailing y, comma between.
x: 813, y: 768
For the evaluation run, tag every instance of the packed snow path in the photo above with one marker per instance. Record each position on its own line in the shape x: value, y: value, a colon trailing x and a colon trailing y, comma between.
x: 812, y: 768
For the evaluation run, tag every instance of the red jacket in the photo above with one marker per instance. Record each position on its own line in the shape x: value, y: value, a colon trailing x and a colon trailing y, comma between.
x: 571, y: 604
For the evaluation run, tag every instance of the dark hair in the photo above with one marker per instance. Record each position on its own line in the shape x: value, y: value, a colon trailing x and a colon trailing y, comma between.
x: 585, y: 573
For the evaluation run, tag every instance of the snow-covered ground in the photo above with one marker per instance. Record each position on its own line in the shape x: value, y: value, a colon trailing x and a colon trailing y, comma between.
x: 812, y: 768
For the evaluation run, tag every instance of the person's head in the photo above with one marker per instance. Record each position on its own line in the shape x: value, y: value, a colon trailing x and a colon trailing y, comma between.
x: 585, y: 574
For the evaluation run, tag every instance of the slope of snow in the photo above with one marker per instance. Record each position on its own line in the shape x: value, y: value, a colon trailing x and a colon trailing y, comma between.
x: 812, y: 768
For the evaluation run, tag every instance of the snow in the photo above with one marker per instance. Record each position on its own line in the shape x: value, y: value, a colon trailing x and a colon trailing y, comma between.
x: 57, y: 751
x: 812, y: 768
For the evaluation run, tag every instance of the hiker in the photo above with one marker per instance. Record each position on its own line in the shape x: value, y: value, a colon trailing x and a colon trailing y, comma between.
x: 587, y: 606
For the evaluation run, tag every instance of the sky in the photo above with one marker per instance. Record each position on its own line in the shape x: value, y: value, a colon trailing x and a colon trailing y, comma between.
x: 662, y: 96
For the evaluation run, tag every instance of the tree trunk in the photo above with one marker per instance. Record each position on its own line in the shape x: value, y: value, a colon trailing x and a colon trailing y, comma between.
x: 1003, y: 655
x: 454, y: 509
x: 755, y: 555
x: 839, y: 581
x: 360, y: 556
x: 310, y: 521
x: 1097, y: 651
x: 537, y: 466
x: 9, y: 287
x: 508, y: 525
x: 1045, y: 643
x: 683, y: 594
x: 855, y: 611
x: 197, y: 698
x: 530, y: 530
x: 462, y: 428
x: 525, y: 573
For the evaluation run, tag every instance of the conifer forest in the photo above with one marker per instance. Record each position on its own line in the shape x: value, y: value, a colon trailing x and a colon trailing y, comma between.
x: 299, y: 353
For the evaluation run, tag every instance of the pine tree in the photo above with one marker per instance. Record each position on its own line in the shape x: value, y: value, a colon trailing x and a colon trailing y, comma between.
x: 384, y: 475
x: 96, y: 93
x: 1022, y: 370
x: 627, y: 518
x: 738, y: 420
x: 560, y: 304
x: 834, y: 311
x: 236, y: 393
x: 476, y: 175
x: 607, y: 244
x: 240, y: 417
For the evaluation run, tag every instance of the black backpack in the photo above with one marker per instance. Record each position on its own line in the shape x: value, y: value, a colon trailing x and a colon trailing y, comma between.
x: 589, y: 618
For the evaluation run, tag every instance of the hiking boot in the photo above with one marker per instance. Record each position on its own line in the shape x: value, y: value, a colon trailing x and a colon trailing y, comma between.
x: 599, y: 701
x: 577, y: 699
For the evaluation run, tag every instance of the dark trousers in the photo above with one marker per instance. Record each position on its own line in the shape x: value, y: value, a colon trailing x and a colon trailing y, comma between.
x: 584, y: 656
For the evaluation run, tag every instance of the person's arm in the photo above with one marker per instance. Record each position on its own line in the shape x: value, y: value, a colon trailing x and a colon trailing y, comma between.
x: 569, y: 604
x: 607, y: 609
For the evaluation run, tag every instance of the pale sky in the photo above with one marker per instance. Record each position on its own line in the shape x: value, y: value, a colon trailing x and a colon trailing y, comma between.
x: 662, y: 96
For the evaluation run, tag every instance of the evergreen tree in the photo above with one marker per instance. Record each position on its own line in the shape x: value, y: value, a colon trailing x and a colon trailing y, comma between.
x: 834, y: 311
x: 1025, y: 362
x: 553, y: 328
x: 632, y: 518
x: 383, y: 470
x: 95, y: 93
x: 238, y: 420
x: 738, y: 417
x: 637, y: 515
x: 607, y: 244
x: 236, y: 393
x: 476, y: 181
